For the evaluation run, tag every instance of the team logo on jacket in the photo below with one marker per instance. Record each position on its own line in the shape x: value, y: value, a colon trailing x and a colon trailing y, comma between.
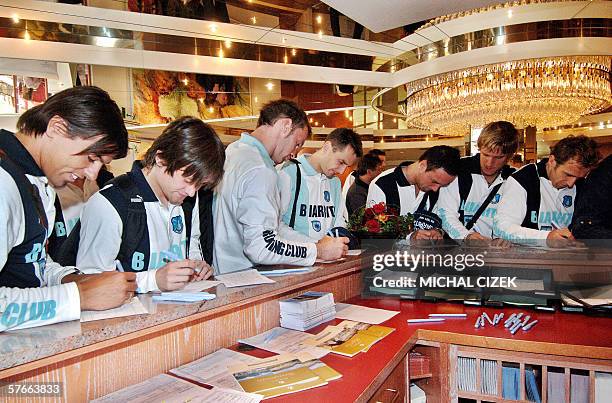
x: 567, y: 201
x: 326, y: 196
x: 316, y: 225
x: 496, y: 199
x: 177, y: 224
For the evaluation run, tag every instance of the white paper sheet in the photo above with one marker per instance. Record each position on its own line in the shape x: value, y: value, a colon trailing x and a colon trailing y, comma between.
x: 280, y: 340
x: 213, y: 368
x: 364, y: 314
x: 196, y: 286
x: 160, y: 388
x: 217, y: 395
x: 243, y: 278
x: 134, y: 307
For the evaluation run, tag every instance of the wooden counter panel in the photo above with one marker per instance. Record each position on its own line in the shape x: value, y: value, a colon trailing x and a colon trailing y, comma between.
x: 102, y: 368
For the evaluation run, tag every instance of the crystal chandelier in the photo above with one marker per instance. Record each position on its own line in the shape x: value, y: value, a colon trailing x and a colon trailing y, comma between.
x: 534, y: 92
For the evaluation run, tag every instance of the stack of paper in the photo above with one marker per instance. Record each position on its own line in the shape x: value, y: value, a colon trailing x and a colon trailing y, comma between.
x: 280, y: 341
x: 466, y: 374
x: 349, y: 338
x: 358, y: 313
x: 307, y: 310
x: 282, y: 374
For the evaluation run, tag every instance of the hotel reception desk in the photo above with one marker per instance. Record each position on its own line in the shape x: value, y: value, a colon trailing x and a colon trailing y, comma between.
x: 93, y: 359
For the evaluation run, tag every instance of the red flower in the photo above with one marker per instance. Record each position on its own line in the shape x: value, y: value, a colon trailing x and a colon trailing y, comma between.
x: 369, y: 213
x: 379, y: 208
x: 373, y: 226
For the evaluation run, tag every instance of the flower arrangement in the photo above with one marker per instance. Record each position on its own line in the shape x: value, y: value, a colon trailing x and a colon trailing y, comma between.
x: 381, y: 219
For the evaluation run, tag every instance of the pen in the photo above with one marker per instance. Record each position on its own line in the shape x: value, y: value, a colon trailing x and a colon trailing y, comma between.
x: 530, y: 325
x: 119, y: 265
x: 425, y: 320
x: 448, y: 315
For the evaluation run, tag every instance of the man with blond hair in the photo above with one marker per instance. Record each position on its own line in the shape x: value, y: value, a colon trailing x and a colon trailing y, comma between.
x: 467, y: 205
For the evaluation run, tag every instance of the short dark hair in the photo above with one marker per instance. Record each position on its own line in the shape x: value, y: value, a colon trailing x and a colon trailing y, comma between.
x: 283, y: 108
x: 581, y: 148
x: 500, y: 135
x: 517, y: 159
x: 368, y: 161
x: 342, y: 137
x: 444, y: 157
x: 377, y: 152
x: 88, y: 112
x: 191, y: 144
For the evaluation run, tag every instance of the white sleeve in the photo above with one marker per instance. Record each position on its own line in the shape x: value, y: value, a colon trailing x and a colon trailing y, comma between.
x: 258, y: 212
x: 510, y: 213
x: 101, y: 230
x: 195, y: 251
x: 375, y: 195
x: 447, y: 209
x: 21, y: 308
x: 342, y: 213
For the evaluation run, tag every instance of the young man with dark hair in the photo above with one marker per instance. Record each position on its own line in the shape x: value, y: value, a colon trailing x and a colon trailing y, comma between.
x: 350, y: 178
x: 248, y: 229
x: 70, y: 136
x: 413, y: 186
x: 311, y: 194
x: 537, y: 202
x: 467, y: 205
x: 370, y: 166
x: 147, y: 222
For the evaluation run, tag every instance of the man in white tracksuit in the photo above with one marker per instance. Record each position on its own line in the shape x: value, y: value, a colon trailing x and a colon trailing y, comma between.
x: 163, y: 247
x: 467, y: 205
x: 246, y: 210
x: 66, y: 138
x: 319, y: 205
x: 536, y: 203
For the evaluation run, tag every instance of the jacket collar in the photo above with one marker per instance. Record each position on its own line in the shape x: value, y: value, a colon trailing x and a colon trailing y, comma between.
x: 398, y: 173
x: 141, y: 182
x: 252, y: 141
x: 18, y: 154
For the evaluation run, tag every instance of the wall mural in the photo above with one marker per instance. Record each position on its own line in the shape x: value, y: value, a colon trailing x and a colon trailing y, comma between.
x: 162, y: 96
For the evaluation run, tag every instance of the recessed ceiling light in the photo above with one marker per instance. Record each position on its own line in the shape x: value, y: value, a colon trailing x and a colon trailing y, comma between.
x: 269, y: 85
x: 15, y: 18
x: 213, y: 27
x: 228, y: 43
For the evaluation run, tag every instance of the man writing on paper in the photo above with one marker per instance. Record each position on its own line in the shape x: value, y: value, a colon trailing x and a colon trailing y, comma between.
x: 67, y: 137
x: 466, y: 206
x: 413, y: 188
x: 537, y: 202
x: 247, y: 225
x: 311, y: 195
x: 147, y: 219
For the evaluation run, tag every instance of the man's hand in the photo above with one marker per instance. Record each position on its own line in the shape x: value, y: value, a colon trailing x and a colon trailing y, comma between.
x: 106, y: 290
x: 560, y: 238
x: 329, y: 248
x: 175, y: 275
x: 202, y: 271
x: 427, y: 234
x: 475, y: 236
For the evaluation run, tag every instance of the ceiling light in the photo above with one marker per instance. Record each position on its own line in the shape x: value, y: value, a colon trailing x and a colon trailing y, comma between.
x: 293, y: 52
x: 254, y: 20
x: 15, y: 18
x: 228, y: 43
x: 185, y: 81
x: 510, y: 13
x: 554, y: 92
x: 213, y: 28
x: 269, y: 85
x: 319, y: 19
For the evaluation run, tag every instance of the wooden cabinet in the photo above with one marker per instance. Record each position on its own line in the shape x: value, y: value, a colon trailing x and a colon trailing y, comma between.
x: 393, y: 389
